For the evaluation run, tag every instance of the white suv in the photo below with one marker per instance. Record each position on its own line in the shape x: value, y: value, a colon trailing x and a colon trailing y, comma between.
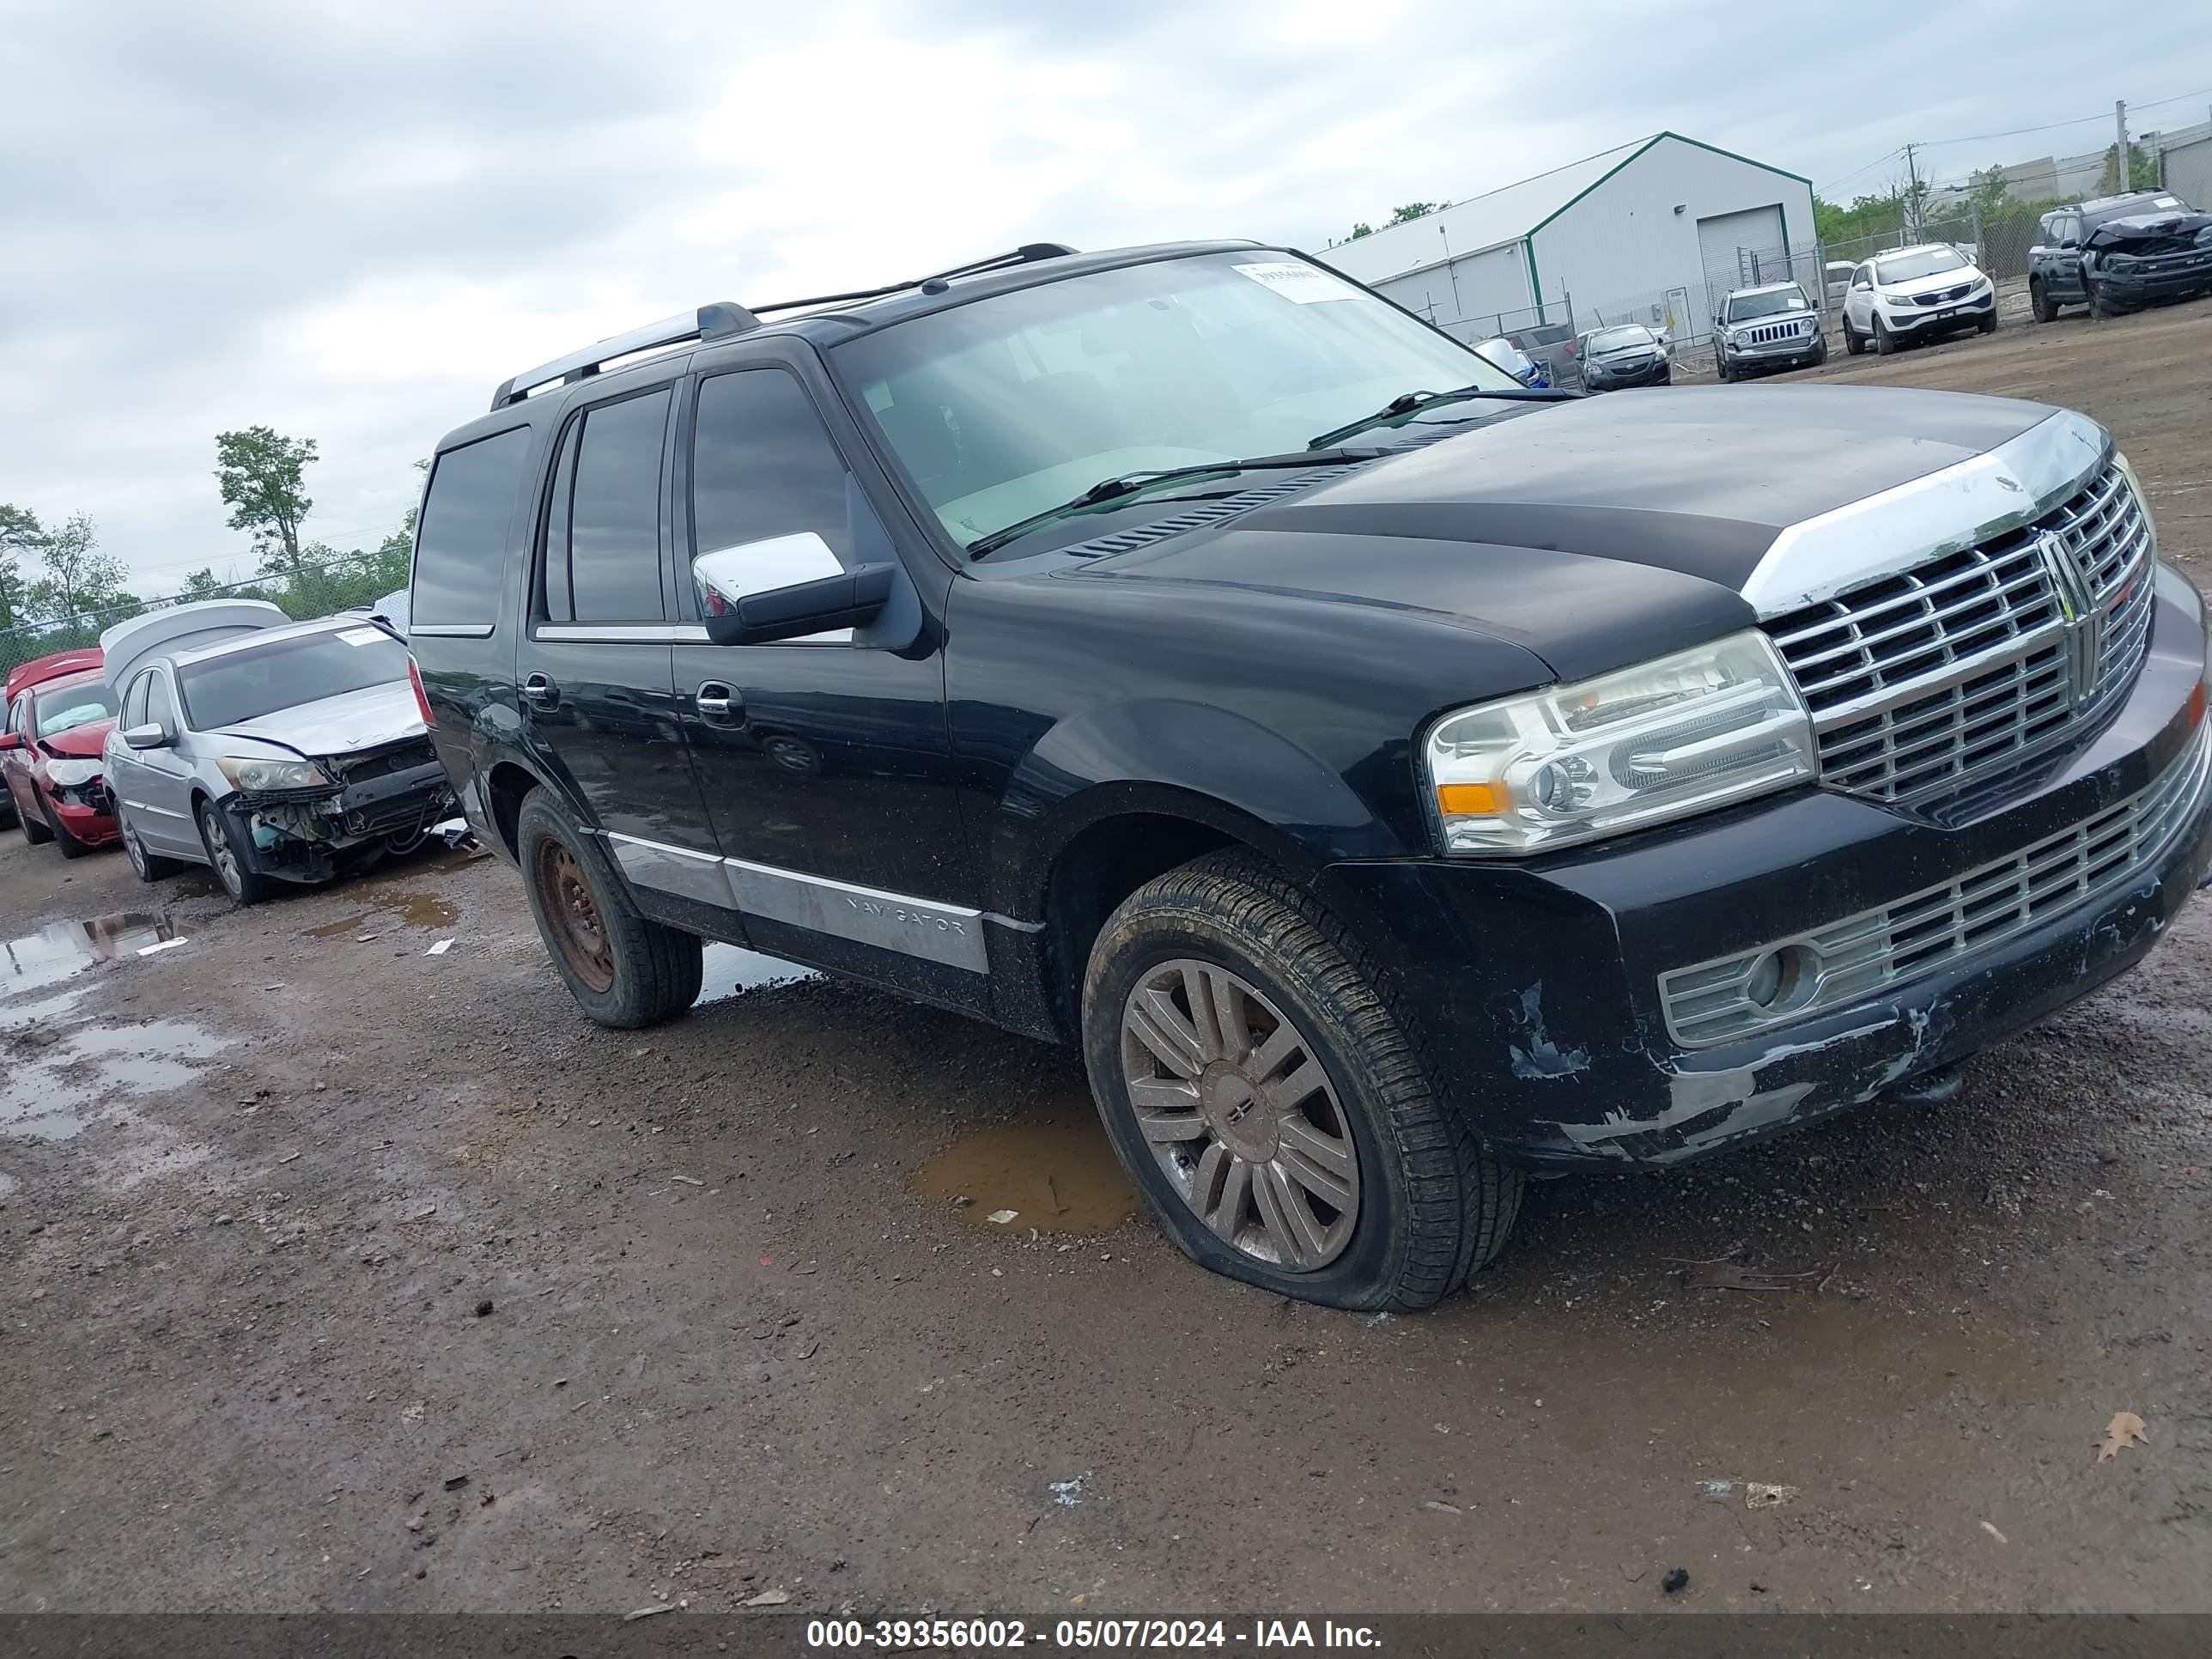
x: 1916, y: 294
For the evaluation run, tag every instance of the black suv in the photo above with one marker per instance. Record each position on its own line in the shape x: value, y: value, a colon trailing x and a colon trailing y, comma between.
x: 1396, y: 778
x: 2162, y: 246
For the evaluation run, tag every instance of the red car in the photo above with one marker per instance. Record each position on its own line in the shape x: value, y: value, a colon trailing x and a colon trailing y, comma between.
x: 59, y: 710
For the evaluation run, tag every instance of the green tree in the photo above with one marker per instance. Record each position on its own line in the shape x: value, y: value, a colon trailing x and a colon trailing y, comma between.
x: 1989, y: 190
x: 201, y: 585
x: 2143, y: 172
x: 262, y: 475
x: 1399, y: 216
x: 1362, y: 228
x: 79, y: 577
x: 19, y: 533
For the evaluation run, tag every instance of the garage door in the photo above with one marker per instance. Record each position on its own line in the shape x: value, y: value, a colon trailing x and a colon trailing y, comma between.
x: 1757, y: 232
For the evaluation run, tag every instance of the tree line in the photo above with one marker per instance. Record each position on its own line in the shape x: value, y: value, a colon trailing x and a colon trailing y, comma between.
x: 60, y: 588
x: 1989, y: 193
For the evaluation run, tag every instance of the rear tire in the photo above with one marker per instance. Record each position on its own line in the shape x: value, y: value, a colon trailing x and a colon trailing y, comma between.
x: 147, y: 866
x: 229, y: 857
x: 1852, y: 344
x: 625, y: 972
x: 1347, y: 1104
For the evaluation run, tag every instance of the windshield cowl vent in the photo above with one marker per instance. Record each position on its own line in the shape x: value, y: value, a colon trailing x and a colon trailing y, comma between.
x: 1205, y: 514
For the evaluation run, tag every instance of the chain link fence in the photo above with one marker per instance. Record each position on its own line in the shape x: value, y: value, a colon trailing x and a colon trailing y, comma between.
x: 314, y: 590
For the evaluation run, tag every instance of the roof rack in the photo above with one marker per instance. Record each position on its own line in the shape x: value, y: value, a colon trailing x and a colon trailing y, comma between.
x: 711, y: 322
x: 725, y: 319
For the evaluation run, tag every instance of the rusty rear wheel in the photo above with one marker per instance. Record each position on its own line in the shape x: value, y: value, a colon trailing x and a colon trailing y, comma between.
x: 578, y: 933
x: 624, y: 970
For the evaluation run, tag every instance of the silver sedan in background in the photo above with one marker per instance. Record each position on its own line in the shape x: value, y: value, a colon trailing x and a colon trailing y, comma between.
x: 268, y: 750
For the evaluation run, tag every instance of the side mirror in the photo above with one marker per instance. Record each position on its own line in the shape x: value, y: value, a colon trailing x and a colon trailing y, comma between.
x: 148, y: 736
x: 785, y: 588
x: 2069, y: 243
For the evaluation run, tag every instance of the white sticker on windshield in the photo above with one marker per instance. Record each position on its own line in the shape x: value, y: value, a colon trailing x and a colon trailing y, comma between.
x: 1297, y: 282
x: 363, y: 635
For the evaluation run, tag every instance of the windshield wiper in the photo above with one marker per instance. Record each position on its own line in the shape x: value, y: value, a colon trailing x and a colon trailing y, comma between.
x: 1126, y: 484
x: 1412, y: 403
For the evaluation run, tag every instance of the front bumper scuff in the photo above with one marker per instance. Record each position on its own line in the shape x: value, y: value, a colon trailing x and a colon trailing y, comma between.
x: 1538, y: 984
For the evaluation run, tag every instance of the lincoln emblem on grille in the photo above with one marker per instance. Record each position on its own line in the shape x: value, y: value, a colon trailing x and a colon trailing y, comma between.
x: 2077, y: 605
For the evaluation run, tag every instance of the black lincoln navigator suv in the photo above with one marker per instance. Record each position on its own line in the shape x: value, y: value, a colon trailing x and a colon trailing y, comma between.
x: 1396, y: 778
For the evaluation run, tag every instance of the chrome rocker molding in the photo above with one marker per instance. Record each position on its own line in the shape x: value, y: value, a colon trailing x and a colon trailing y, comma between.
x: 950, y: 934
x: 1954, y: 508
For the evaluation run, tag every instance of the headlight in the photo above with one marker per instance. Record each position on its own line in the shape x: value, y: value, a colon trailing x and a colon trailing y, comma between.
x: 70, y: 774
x: 252, y: 773
x: 1899, y: 300
x: 2143, y: 501
x: 1667, y: 740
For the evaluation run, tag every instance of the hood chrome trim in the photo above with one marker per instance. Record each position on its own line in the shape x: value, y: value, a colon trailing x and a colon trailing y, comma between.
x: 1950, y: 509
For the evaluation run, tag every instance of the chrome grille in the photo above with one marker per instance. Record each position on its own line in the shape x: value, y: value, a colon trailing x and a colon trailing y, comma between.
x: 1925, y: 685
x: 1769, y: 333
x: 1861, y: 956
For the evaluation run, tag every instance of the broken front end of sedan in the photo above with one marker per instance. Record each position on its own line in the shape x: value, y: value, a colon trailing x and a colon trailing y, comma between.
x: 312, y: 819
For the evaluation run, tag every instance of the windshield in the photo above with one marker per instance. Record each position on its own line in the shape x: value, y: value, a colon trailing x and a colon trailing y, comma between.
x: 1924, y: 261
x: 1006, y: 406
x: 1743, y: 307
x: 260, y: 679
x: 64, y: 707
x: 1620, y: 339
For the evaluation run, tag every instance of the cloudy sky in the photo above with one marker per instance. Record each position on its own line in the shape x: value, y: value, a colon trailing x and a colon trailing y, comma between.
x: 350, y: 222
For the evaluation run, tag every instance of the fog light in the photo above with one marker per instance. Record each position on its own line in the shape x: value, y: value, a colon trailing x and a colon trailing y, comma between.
x: 1783, y: 979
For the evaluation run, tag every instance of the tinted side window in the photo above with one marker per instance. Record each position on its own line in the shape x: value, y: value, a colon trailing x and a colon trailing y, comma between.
x: 159, y: 707
x: 764, y: 465
x: 603, y: 564
x: 460, y: 554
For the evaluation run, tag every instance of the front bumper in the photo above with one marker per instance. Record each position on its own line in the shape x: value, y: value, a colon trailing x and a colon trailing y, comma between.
x: 1603, y: 379
x: 1902, y: 319
x: 2136, y: 289
x: 1538, y: 983
x: 91, y: 820
x: 301, y: 834
x: 1803, y: 350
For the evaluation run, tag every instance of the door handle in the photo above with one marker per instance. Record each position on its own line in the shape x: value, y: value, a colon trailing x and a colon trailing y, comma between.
x: 541, y: 691
x: 718, y: 702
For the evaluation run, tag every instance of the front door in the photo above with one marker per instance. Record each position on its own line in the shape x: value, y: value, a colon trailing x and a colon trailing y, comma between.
x: 159, y: 784
x: 825, y: 762
x: 596, y: 688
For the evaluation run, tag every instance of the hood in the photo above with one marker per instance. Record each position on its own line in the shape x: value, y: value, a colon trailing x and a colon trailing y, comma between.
x: 80, y: 742
x: 1623, y: 353
x: 340, y: 725
x: 1549, y: 525
x: 2153, y: 232
x: 1964, y: 277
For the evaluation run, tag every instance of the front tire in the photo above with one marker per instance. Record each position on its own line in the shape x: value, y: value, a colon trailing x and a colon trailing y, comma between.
x: 1268, y: 1096
x: 624, y: 971
x: 228, y: 856
x: 1987, y: 325
x: 1721, y: 369
x: 34, y: 829
x: 1884, y: 341
x: 2039, y: 302
x: 70, y: 845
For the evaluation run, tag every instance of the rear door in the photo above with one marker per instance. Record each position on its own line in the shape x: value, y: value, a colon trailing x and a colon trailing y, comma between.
x: 826, y: 761
x: 592, y: 667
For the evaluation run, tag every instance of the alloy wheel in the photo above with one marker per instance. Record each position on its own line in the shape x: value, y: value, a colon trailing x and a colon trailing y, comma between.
x: 573, y: 914
x: 1241, y: 1114
x: 221, y: 854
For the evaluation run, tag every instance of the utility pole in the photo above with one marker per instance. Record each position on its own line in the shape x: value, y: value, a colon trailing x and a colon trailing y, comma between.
x: 1912, y: 195
x: 2121, y: 171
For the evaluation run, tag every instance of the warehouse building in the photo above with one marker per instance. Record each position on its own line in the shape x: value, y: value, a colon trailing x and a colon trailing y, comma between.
x: 1657, y: 232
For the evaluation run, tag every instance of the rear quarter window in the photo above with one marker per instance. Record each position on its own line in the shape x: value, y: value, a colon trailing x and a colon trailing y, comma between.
x: 460, y: 552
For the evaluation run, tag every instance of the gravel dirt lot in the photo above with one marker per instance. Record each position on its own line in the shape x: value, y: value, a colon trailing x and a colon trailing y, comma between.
x: 342, y: 1276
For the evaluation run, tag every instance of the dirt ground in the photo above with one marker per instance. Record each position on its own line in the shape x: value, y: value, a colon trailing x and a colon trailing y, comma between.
x: 344, y: 1276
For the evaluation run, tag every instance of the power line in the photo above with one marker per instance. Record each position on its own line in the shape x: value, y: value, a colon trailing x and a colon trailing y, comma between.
x: 2052, y: 126
x: 1886, y: 157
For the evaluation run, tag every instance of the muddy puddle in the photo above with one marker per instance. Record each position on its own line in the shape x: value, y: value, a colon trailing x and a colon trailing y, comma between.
x: 408, y: 909
x: 61, y: 950
x: 1052, y: 1167
x: 52, y: 1089
x: 731, y: 968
